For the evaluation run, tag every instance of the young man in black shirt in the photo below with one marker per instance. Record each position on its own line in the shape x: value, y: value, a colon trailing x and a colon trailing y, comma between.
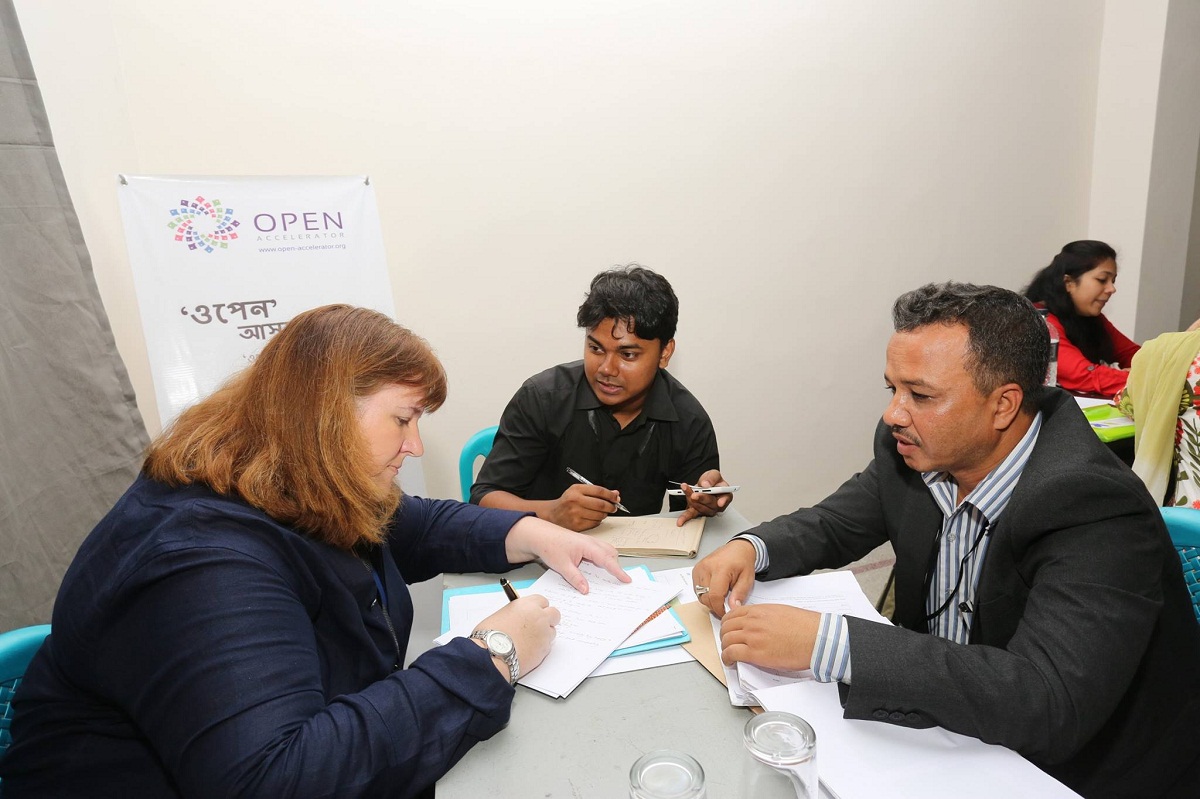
x: 616, y: 418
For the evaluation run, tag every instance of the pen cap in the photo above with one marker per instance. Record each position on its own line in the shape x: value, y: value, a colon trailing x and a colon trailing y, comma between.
x: 666, y: 774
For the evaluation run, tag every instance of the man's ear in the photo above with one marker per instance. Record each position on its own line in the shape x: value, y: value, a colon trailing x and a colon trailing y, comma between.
x: 667, y: 351
x: 1007, y: 405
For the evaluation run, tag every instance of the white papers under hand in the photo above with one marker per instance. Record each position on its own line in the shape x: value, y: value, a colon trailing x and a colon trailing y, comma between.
x: 738, y: 695
x: 830, y: 592
x: 866, y: 759
x: 681, y: 577
x: 592, y: 626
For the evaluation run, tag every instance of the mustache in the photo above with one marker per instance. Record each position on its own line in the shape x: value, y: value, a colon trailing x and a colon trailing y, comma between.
x: 899, y: 433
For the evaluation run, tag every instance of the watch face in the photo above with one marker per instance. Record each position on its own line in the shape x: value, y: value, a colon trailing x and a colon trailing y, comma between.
x: 499, y: 643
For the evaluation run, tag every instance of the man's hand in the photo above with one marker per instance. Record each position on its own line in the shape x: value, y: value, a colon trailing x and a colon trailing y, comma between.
x: 728, y: 570
x: 582, y: 507
x: 704, y: 504
x: 771, y: 636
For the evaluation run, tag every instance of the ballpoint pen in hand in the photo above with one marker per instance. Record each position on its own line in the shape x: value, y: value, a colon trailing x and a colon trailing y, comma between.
x: 677, y: 492
x: 509, y: 591
x: 588, y: 482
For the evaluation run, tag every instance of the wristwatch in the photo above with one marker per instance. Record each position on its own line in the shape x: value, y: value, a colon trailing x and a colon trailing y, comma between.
x: 500, y: 645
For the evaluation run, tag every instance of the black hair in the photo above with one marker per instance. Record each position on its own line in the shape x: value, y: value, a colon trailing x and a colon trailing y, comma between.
x: 1049, y: 288
x: 635, y: 295
x: 1007, y: 340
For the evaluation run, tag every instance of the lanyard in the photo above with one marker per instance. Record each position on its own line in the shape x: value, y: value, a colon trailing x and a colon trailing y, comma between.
x: 379, y: 585
x: 962, y: 567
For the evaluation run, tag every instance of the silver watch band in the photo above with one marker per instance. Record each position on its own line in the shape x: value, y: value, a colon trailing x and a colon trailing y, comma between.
x: 509, y: 658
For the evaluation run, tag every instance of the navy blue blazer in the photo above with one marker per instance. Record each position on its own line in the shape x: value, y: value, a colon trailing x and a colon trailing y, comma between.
x: 1084, y: 653
x: 202, y: 649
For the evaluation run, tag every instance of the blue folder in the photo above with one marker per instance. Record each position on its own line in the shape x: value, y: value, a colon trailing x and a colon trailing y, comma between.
x: 683, y: 637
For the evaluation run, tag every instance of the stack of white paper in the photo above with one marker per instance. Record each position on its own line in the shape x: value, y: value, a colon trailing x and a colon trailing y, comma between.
x: 592, y: 625
x: 665, y: 656
x: 831, y: 592
x: 860, y: 759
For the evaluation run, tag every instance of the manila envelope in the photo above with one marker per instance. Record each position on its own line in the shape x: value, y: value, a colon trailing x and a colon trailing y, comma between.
x: 703, y: 647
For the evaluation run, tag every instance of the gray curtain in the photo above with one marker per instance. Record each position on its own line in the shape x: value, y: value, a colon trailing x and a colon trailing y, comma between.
x: 71, y: 436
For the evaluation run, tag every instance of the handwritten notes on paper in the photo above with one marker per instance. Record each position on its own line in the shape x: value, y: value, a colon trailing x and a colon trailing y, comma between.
x: 592, y: 625
x: 650, y: 536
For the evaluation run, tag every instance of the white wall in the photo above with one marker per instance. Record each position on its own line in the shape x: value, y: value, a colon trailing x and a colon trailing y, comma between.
x: 1129, y: 74
x: 1144, y: 171
x: 1172, y: 177
x: 790, y: 166
x: 1190, y: 309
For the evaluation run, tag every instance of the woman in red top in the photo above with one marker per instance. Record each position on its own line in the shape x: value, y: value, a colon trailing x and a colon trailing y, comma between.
x: 1093, y: 356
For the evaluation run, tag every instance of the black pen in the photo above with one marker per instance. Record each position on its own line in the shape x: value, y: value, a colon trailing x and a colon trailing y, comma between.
x: 509, y: 591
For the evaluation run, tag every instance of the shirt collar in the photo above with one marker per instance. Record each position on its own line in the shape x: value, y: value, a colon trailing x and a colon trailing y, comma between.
x: 992, y: 494
x: 659, y: 404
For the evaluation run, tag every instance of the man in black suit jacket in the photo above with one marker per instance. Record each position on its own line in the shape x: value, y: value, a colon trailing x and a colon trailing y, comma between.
x: 1064, y: 632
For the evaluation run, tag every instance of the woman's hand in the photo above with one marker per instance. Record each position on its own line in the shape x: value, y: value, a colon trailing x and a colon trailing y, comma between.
x: 532, y: 538
x: 529, y: 622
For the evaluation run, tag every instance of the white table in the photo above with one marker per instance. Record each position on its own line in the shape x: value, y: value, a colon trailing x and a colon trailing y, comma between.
x: 582, y: 747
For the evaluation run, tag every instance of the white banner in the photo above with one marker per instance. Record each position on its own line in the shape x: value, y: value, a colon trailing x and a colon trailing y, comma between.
x: 221, y: 264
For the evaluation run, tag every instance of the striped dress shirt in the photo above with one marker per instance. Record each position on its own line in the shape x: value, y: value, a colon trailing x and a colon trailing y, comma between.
x: 962, y: 547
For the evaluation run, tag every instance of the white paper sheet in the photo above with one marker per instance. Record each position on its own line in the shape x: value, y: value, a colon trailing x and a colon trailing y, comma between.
x: 651, y: 659
x: 681, y: 578
x: 592, y: 624
x: 467, y: 610
x: 860, y: 759
x: 830, y: 592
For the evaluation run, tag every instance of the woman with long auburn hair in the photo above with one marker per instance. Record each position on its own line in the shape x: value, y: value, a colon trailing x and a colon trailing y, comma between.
x: 237, y: 624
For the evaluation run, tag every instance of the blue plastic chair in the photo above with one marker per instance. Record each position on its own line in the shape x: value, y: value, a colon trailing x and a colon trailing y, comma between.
x: 477, y: 446
x: 17, y: 648
x: 1184, y: 526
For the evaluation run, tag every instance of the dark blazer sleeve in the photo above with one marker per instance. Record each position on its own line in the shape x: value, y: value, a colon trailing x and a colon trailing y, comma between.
x: 1068, y: 599
x: 431, y: 536
x: 840, y: 529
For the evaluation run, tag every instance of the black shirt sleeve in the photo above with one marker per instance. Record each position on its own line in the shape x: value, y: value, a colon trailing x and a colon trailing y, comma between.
x: 521, y: 447
x: 695, y: 449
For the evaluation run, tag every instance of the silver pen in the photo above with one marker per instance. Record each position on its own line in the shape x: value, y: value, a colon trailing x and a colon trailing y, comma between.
x: 588, y: 482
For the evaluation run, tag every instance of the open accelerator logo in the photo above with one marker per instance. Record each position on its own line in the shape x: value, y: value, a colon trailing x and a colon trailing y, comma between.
x: 203, y: 224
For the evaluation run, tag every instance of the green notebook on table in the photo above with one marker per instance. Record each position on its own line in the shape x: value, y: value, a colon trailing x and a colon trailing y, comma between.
x: 1109, y: 423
